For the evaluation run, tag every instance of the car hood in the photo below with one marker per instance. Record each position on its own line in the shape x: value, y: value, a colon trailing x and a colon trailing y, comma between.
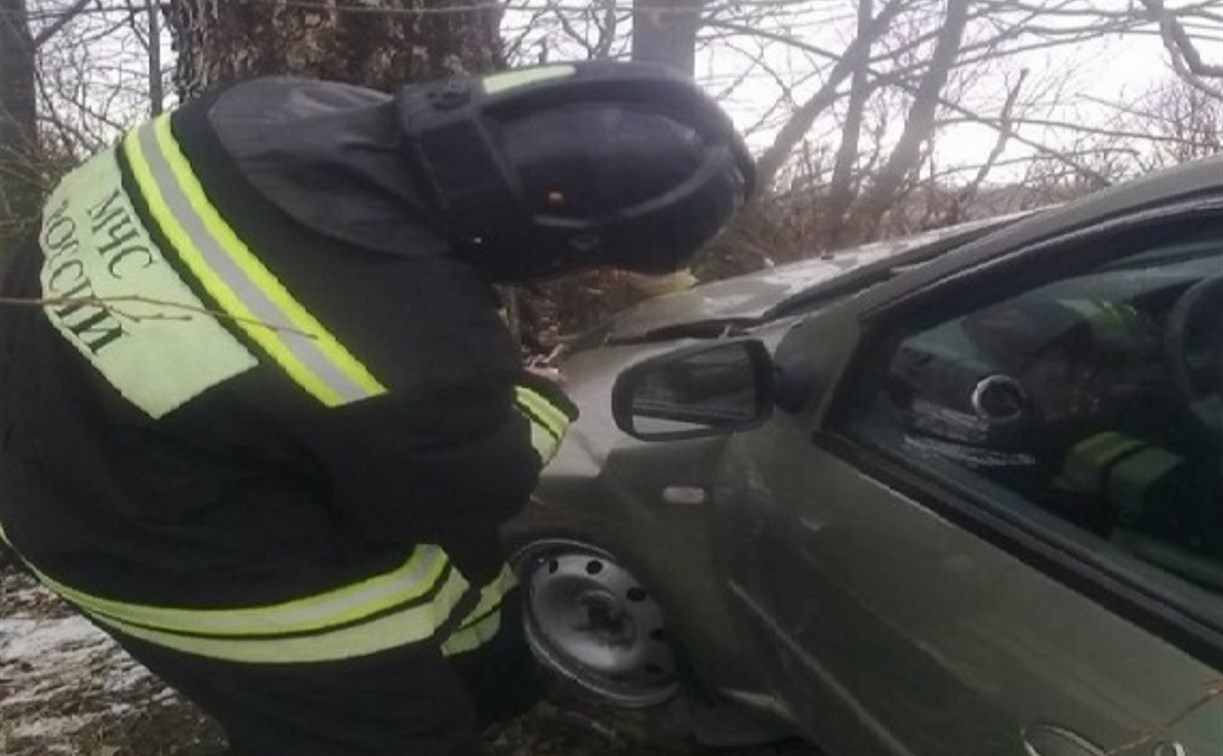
x: 756, y: 296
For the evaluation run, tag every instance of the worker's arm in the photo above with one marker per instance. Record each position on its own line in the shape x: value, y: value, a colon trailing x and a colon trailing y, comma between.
x: 446, y: 468
x: 441, y: 449
x: 454, y: 443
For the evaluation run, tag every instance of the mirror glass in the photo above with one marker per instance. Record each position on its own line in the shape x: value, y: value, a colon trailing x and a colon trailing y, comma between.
x: 713, y: 389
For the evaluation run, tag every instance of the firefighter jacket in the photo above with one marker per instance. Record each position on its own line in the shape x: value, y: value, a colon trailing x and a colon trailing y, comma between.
x: 261, y: 414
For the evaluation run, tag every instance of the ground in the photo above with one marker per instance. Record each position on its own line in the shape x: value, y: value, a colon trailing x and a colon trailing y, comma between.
x: 67, y: 690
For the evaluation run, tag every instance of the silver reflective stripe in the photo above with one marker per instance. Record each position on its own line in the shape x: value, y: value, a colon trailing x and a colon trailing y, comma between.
x: 401, y: 628
x: 356, y: 620
x: 419, y: 575
x: 260, y: 306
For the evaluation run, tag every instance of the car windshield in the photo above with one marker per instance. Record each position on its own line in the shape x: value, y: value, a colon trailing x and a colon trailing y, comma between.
x: 922, y: 249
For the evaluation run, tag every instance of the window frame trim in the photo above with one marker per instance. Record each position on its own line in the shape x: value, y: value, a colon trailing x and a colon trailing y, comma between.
x: 1058, y: 553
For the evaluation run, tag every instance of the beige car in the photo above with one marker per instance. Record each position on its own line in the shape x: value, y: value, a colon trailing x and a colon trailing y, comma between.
x: 957, y: 494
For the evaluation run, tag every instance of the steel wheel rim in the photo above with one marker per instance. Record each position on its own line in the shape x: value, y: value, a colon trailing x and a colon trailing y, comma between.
x: 589, y: 619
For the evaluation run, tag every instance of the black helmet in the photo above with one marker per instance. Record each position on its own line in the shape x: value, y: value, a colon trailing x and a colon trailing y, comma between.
x: 540, y: 171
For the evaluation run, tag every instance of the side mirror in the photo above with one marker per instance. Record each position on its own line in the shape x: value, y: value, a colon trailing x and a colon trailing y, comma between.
x: 703, y: 390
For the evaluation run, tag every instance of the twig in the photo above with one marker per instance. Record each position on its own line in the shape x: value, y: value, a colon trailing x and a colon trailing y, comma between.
x: 107, y: 303
x: 59, y: 23
x: 1213, y: 690
x: 1006, y: 121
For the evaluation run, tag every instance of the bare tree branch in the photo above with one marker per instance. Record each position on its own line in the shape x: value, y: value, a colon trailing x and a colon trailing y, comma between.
x: 800, y: 123
x: 1006, y: 122
x: 63, y: 18
x: 920, y: 122
x: 1214, y: 691
x: 1178, y: 42
x: 840, y: 189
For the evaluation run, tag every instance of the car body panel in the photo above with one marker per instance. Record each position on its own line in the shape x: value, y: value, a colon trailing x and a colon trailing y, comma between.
x: 793, y: 573
x: 899, y: 632
x: 646, y: 503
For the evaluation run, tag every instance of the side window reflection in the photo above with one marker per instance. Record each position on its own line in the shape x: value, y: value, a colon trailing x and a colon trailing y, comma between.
x: 1097, y: 398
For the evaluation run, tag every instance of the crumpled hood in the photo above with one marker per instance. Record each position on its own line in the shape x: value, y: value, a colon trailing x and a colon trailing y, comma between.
x: 754, y: 296
x: 747, y: 297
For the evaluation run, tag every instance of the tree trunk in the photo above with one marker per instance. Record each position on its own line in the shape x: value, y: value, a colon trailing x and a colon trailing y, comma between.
x: 377, y: 43
x: 157, y: 97
x: 919, y: 125
x: 841, y: 189
x: 20, y: 187
x: 664, y: 31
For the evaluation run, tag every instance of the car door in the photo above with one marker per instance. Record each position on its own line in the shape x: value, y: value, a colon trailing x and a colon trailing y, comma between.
x: 998, y: 527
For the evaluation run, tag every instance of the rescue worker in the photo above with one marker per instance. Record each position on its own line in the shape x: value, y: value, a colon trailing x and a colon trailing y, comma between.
x: 266, y: 422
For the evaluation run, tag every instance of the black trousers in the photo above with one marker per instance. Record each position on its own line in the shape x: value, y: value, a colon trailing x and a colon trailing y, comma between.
x: 406, y: 702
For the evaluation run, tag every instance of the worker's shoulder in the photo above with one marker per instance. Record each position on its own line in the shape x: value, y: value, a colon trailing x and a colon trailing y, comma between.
x: 283, y: 99
x: 325, y: 154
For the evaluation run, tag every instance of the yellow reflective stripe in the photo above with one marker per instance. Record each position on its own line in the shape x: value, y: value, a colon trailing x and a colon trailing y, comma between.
x: 1129, y: 480
x: 1100, y: 444
x: 548, y: 424
x: 472, y: 637
x: 1116, y: 324
x: 507, y: 80
x: 408, y: 625
x: 544, y: 443
x: 298, y: 317
x: 1110, y: 322
x: 396, y: 629
x: 238, y: 281
x: 491, y: 595
x: 553, y: 419
x: 416, y: 578
x: 1087, y: 460
x: 482, y: 622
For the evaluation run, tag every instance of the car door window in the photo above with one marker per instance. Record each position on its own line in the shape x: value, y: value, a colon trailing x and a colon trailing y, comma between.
x: 1091, y: 401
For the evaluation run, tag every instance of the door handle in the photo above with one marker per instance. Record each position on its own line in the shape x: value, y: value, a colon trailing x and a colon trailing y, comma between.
x: 1054, y: 740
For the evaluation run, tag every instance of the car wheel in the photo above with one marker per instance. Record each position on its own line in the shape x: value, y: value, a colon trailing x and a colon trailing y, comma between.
x: 590, y: 620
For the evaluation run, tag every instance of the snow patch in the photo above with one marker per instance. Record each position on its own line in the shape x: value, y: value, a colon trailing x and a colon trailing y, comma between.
x: 50, y: 727
x: 39, y: 657
x: 31, y: 638
x: 59, y: 673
